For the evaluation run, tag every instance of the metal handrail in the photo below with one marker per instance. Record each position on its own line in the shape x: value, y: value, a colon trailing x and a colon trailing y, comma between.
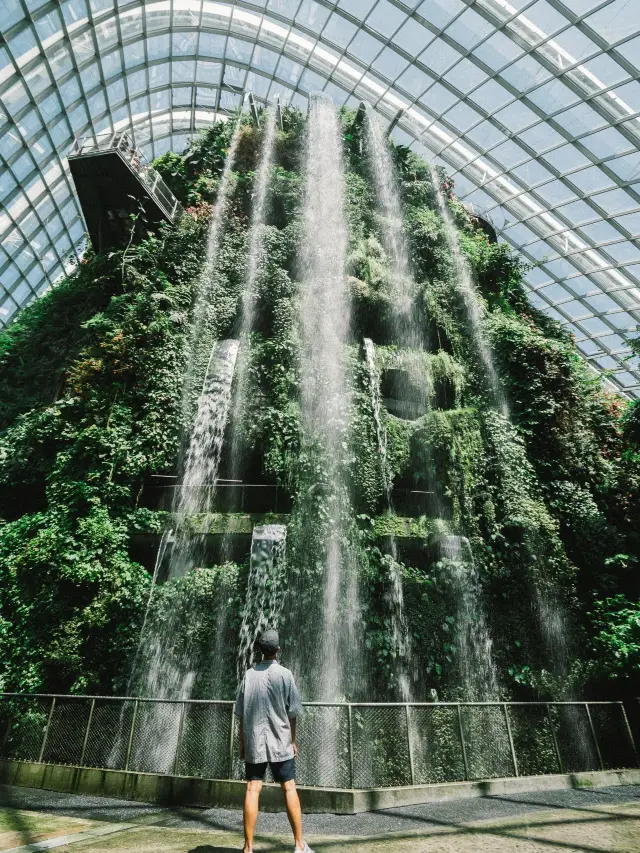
x: 122, y: 144
x: 491, y: 702
x: 57, y: 733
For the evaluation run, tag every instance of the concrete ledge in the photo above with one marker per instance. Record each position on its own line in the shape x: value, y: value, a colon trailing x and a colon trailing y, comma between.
x: 206, y: 793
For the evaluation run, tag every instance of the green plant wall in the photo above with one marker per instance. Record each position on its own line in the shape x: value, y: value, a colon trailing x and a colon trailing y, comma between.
x: 92, y: 404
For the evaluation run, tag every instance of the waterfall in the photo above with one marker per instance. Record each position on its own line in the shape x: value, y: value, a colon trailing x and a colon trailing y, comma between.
x: 472, y: 304
x: 389, y: 210
x: 400, y: 634
x: 194, y: 496
x: 265, y: 588
x: 325, y: 395
x: 167, y: 664
x: 474, y: 653
x: 550, y: 613
x: 200, y: 340
x: 261, y: 187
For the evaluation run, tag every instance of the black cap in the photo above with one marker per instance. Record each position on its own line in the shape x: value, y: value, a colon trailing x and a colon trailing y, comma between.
x: 269, y: 642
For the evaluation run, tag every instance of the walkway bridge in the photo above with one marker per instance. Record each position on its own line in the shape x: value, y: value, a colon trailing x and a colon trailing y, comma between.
x: 114, y: 182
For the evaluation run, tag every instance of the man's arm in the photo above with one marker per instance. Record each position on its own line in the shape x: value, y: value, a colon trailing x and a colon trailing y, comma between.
x: 239, y: 712
x: 241, y: 735
x: 293, y: 722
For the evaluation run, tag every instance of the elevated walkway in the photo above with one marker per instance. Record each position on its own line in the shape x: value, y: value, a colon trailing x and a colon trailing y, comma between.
x: 115, y: 182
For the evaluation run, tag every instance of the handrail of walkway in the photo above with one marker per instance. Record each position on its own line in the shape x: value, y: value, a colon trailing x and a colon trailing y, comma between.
x: 121, y: 142
x: 342, y: 744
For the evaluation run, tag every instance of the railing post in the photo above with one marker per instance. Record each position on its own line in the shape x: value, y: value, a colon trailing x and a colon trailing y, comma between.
x: 410, y: 745
x: 176, y: 760
x: 232, y: 733
x: 509, y: 732
x: 7, y: 732
x: 131, y: 734
x: 628, y: 727
x: 351, y: 778
x: 593, y: 735
x: 46, y: 731
x: 555, y: 739
x: 462, y: 744
x: 86, y: 734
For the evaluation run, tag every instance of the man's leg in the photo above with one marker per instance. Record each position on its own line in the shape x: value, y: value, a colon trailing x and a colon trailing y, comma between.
x: 294, y: 812
x: 251, y: 801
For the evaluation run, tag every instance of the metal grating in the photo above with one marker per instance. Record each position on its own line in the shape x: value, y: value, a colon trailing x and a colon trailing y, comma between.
x: 341, y: 745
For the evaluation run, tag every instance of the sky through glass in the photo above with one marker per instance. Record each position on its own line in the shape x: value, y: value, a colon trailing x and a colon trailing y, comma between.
x: 533, y: 107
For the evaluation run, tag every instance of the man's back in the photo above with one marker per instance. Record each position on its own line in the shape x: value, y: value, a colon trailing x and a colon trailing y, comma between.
x: 268, y: 699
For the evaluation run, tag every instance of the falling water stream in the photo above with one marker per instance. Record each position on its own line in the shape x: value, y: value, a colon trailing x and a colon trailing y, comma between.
x: 389, y: 208
x: 194, y: 496
x: 265, y: 589
x: 477, y: 674
x: 325, y: 393
x: 550, y: 612
x: 200, y: 338
x: 399, y: 630
x: 255, y: 257
x: 473, y: 646
x: 161, y: 668
x: 472, y: 304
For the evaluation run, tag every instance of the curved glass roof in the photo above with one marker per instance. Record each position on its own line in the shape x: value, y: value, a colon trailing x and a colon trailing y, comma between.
x: 533, y: 107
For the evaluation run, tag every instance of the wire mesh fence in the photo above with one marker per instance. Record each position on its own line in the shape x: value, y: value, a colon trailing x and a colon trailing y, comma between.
x: 340, y: 745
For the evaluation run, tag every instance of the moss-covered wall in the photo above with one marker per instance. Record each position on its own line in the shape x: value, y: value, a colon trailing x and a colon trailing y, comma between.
x: 91, y: 405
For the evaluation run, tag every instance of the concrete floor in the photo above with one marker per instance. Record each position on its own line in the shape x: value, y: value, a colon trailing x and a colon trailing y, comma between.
x: 596, y: 821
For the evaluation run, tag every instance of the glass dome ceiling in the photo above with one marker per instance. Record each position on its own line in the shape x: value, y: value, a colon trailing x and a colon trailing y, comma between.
x: 533, y: 107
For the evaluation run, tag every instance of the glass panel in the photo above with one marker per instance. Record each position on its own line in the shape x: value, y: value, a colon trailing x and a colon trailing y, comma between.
x: 607, y: 142
x: 365, y: 47
x: 438, y: 99
x: 412, y: 37
x: 566, y: 157
x: 465, y: 76
x: 385, y: 18
x: 462, y: 117
x: 312, y: 15
x: 553, y: 96
x: 541, y: 137
x: 580, y: 120
x: 339, y: 31
x: 525, y: 73
x: 486, y: 135
x: 469, y: 29
x: 414, y: 81
x: 516, y: 117
x: 441, y: 12
x: 614, y: 22
x: 439, y: 57
x: 616, y: 201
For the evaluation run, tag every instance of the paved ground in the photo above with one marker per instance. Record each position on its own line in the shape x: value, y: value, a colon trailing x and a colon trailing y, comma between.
x: 605, y: 820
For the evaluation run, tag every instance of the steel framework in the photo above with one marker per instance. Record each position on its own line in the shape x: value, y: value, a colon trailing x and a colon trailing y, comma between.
x: 532, y: 105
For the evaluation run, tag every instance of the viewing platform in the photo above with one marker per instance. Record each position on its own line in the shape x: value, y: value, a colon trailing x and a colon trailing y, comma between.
x: 114, y: 182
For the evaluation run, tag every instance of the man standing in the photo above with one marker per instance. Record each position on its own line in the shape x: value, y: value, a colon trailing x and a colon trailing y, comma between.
x: 268, y: 706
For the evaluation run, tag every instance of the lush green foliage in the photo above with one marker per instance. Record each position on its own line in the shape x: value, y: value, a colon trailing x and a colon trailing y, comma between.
x: 92, y: 402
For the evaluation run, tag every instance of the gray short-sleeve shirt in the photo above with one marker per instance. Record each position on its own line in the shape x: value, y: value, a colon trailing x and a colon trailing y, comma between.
x: 267, y: 700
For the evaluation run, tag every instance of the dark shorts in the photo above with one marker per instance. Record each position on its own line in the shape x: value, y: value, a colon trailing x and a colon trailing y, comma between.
x: 282, y: 771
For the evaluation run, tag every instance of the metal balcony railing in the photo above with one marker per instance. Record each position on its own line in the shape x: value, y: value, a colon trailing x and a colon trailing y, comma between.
x: 342, y: 745
x: 121, y: 144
